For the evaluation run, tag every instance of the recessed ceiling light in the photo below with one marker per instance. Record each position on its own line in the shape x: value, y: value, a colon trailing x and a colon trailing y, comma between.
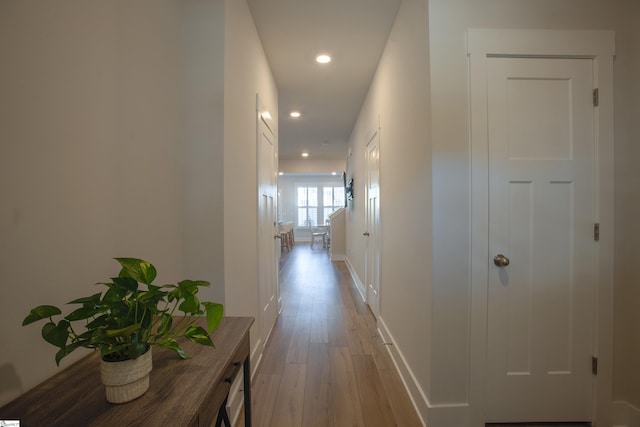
x: 334, y: 173
x: 280, y: 173
x: 323, y: 58
x: 295, y: 114
x: 305, y: 154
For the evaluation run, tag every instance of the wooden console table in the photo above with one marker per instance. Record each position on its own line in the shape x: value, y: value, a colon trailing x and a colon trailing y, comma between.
x: 181, y: 392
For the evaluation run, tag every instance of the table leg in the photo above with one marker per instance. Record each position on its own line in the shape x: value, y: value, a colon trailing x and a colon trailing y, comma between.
x: 247, y: 392
x: 223, y: 416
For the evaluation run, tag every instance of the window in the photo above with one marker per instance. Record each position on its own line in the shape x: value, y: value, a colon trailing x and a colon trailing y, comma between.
x: 333, y: 199
x: 314, y: 210
x: 307, y: 206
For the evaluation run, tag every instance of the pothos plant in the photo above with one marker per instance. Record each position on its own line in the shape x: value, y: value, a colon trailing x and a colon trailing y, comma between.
x: 131, y: 315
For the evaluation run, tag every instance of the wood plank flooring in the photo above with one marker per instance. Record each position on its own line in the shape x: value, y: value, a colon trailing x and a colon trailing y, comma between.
x: 538, y: 425
x: 325, y: 364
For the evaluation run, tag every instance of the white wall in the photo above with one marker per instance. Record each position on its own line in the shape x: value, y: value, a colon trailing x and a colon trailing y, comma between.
x: 451, y: 176
x: 117, y: 120
x: 438, y: 356
x: 247, y: 73
x: 311, y: 166
x: 398, y: 100
x: 627, y: 209
x: 90, y: 130
x: 202, y: 141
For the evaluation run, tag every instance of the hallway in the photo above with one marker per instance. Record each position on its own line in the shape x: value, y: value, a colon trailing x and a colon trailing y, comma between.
x: 325, y: 364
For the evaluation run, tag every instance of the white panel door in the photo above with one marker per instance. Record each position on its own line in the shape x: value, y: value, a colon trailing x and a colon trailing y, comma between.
x: 541, y: 219
x: 372, y: 271
x: 267, y: 244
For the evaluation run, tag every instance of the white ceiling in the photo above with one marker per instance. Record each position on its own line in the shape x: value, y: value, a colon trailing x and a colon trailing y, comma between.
x: 329, y: 96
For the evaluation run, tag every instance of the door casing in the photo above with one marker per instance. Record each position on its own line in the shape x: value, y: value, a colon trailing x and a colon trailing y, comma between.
x: 372, y: 270
x: 599, y: 46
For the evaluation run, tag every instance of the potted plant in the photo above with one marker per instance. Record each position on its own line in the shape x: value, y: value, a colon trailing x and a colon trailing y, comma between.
x: 125, y: 320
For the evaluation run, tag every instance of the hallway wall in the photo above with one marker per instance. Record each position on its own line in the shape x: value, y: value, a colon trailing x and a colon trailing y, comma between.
x: 439, y: 355
x: 451, y: 174
x: 247, y: 73
x: 201, y: 145
x: 117, y: 119
x: 398, y: 101
x: 91, y: 163
x: 627, y: 210
x: 311, y: 165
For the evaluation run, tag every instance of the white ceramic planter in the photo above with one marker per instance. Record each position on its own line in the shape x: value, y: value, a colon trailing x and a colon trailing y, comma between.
x: 126, y: 380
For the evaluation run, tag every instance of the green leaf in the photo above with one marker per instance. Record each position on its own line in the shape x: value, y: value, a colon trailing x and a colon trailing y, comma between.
x: 198, y: 335
x: 56, y: 334
x: 123, y: 332
x: 92, y: 300
x: 85, y: 336
x: 147, y: 318
x: 126, y: 283
x: 138, y: 269
x: 97, y: 322
x: 41, y: 312
x: 64, y: 351
x: 84, y: 342
x: 187, y: 287
x: 172, y: 344
x: 173, y: 294
x: 116, y: 351
x: 154, y: 293
x: 165, y: 324
x: 191, y: 304
x: 136, y: 350
x: 215, y: 312
x: 82, y: 313
x: 113, y: 294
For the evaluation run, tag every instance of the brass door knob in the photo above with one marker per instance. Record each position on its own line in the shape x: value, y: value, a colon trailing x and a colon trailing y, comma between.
x: 366, y: 233
x: 501, y: 260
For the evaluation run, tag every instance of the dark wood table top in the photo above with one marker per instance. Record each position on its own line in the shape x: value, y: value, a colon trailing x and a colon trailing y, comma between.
x: 179, y: 389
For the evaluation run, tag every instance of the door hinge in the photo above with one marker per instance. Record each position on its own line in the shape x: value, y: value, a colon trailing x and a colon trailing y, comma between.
x: 596, y: 97
x: 596, y: 232
x: 594, y: 365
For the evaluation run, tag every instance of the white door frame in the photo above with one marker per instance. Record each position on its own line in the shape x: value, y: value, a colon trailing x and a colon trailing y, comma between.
x: 599, y: 46
x: 372, y: 230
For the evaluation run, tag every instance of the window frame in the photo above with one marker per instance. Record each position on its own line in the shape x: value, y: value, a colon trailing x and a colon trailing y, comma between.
x: 319, y: 206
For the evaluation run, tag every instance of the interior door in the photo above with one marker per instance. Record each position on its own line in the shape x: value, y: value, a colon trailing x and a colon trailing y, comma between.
x: 267, y: 243
x: 541, y: 233
x: 372, y: 271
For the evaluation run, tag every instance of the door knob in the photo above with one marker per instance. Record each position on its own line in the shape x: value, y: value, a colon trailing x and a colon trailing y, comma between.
x: 277, y: 236
x: 366, y: 233
x: 501, y: 260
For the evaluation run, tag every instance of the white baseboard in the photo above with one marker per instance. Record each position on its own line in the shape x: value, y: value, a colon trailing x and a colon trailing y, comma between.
x: 356, y: 279
x: 417, y: 395
x: 625, y: 415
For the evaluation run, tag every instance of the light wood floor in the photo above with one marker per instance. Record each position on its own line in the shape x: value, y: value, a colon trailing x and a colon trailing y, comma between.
x: 325, y: 364
x: 539, y: 425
